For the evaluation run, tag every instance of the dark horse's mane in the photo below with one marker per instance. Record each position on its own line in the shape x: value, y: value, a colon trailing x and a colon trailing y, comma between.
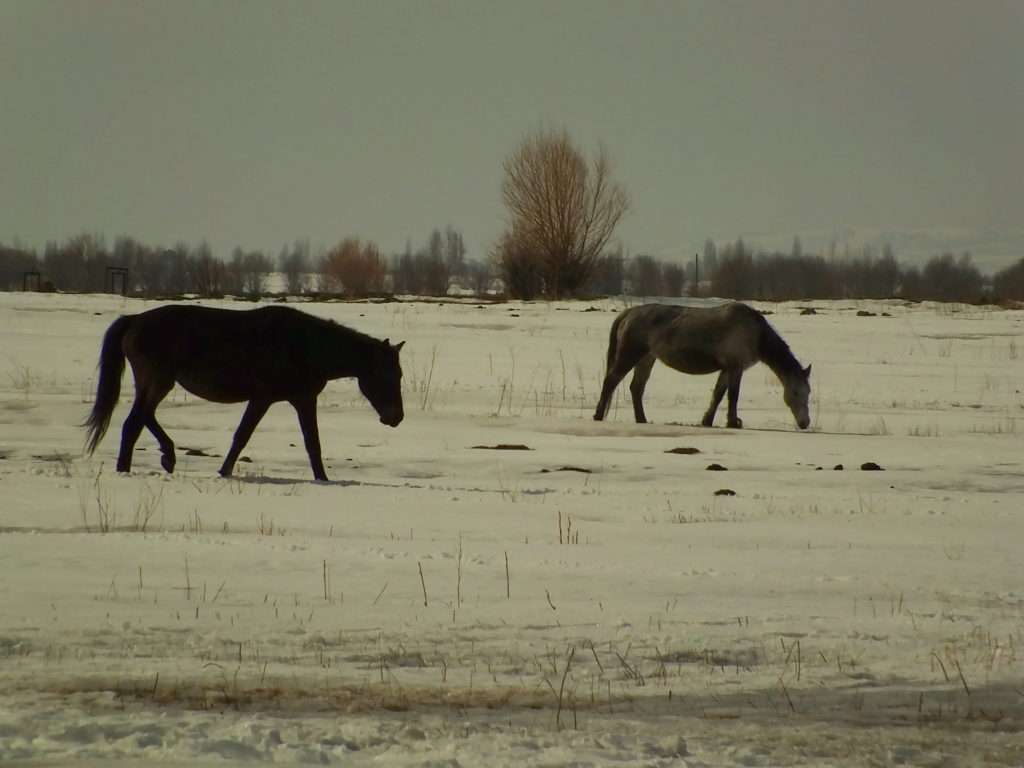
x: 323, y: 329
x: 775, y: 352
x: 336, y: 330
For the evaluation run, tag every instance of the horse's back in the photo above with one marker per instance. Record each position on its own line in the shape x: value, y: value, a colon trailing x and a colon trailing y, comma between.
x: 221, y: 354
x: 696, y: 339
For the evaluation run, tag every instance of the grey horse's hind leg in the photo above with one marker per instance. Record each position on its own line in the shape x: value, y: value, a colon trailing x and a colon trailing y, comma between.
x: 716, y: 397
x: 611, y: 381
x: 641, y: 373
x: 734, y: 421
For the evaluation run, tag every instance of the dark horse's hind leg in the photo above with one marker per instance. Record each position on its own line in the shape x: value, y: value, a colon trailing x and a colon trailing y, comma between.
x: 148, y: 394
x: 254, y: 411
x: 641, y: 374
x: 167, y: 457
x: 305, y: 407
x: 716, y: 397
x: 130, y: 432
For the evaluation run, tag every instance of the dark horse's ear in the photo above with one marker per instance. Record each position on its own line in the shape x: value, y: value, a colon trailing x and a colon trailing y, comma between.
x: 807, y: 372
x: 399, y: 345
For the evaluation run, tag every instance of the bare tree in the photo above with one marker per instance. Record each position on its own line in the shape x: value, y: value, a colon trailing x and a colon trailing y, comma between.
x: 354, y: 268
x: 1008, y: 283
x: 563, y: 209
x: 294, y: 263
x: 519, y: 267
x: 247, y: 272
x: 478, y: 276
x: 673, y: 278
x: 609, y: 275
x: 454, y: 254
x: 15, y: 261
x: 207, y: 275
x: 645, y: 276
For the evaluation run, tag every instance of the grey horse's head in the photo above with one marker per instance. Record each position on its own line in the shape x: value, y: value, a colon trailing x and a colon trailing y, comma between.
x: 797, y: 393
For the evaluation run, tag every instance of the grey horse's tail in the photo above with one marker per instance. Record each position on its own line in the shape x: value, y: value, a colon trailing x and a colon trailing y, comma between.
x: 108, y: 390
x: 613, y: 341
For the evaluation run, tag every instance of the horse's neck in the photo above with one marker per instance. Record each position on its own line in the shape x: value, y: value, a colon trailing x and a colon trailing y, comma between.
x: 345, y: 356
x: 775, y: 353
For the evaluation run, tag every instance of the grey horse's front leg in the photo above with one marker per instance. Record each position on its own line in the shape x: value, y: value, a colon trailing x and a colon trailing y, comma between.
x: 734, y: 421
x: 716, y: 397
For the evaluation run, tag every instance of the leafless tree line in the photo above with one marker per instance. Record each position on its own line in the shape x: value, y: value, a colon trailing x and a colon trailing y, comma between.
x: 358, y: 268
x: 741, y: 273
x: 353, y: 267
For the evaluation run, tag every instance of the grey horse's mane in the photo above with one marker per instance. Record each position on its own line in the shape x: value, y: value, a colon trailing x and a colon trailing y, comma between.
x: 775, y: 352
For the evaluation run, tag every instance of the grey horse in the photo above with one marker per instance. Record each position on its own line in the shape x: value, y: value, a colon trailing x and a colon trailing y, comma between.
x: 728, y: 338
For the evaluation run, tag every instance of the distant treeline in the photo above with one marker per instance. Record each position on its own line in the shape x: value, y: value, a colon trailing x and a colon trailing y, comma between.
x: 738, y: 272
x: 353, y: 267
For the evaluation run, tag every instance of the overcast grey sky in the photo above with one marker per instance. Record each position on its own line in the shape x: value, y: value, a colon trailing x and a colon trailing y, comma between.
x: 255, y: 123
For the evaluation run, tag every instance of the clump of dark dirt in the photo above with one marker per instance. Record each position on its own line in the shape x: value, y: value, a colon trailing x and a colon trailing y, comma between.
x: 568, y: 468
x: 504, y: 447
x: 683, y: 450
x: 870, y: 466
x: 717, y: 468
x: 725, y: 492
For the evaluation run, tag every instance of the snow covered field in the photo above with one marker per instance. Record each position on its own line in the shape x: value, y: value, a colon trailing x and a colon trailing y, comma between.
x: 589, y: 601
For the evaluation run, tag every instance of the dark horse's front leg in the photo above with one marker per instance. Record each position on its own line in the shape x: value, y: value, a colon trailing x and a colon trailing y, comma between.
x: 305, y: 407
x: 254, y: 411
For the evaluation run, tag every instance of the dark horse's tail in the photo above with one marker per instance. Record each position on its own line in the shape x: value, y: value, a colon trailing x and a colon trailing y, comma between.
x: 109, y: 388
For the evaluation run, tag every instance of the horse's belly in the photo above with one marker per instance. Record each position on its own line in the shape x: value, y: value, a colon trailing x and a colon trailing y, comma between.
x: 694, y: 362
x: 218, y: 387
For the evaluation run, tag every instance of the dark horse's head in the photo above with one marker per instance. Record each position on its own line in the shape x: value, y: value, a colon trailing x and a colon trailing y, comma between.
x: 797, y: 393
x: 381, y: 383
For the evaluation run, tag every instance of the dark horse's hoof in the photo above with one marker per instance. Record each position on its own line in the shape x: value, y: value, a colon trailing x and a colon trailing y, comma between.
x: 167, y: 462
x: 735, y: 424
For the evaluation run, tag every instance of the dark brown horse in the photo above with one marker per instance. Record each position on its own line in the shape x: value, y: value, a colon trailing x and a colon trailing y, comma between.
x: 728, y: 338
x: 262, y: 356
